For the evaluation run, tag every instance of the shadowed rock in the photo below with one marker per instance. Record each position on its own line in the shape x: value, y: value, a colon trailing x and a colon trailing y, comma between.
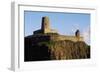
x: 55, y: 50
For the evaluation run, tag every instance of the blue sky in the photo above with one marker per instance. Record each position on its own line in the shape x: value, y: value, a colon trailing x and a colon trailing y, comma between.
x: 64, y: 23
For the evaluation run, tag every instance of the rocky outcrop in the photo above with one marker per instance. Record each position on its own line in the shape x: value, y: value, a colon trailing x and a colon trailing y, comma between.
x: 55, y: 50
x: 67, y: 49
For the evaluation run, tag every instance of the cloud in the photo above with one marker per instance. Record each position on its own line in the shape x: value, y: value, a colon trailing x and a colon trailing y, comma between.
x: 86, y: 35
x: 85, y: 32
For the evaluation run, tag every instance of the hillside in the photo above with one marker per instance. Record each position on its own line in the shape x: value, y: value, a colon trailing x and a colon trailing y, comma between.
x: 55, y: 50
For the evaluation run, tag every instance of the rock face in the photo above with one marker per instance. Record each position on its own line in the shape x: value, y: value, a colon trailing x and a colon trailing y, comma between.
x: 54, y: 50
x: 69, y: 50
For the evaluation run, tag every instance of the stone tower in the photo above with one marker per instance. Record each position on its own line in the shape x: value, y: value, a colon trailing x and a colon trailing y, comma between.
x: 45, y: 24
x: 45, y: 27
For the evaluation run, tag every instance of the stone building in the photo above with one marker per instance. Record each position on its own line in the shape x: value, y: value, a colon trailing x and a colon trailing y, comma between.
x: 45, y: 27
x: 53, y: 34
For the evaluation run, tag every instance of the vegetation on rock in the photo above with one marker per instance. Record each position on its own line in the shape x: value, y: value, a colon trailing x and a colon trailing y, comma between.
x: 56, y: 50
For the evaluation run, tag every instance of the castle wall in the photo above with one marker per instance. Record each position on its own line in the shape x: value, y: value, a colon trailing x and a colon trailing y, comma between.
x: 63, y: 37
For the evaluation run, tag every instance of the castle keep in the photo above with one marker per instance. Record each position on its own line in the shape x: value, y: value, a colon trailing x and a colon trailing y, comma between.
x: 52, y: 34
x: 45, y: 27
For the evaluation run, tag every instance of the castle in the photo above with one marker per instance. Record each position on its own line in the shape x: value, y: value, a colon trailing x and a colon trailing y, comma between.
x: 52, y: 34
x: 48, y: 44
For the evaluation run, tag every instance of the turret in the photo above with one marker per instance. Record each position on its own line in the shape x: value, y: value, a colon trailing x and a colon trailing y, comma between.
x: 77, y: 34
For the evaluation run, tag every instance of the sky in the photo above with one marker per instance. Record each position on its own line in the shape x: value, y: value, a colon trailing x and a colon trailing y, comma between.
x: 64, y: 23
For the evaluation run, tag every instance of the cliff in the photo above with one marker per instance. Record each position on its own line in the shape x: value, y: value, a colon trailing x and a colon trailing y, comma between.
x: 54, y: 50
x: 60, y: 50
